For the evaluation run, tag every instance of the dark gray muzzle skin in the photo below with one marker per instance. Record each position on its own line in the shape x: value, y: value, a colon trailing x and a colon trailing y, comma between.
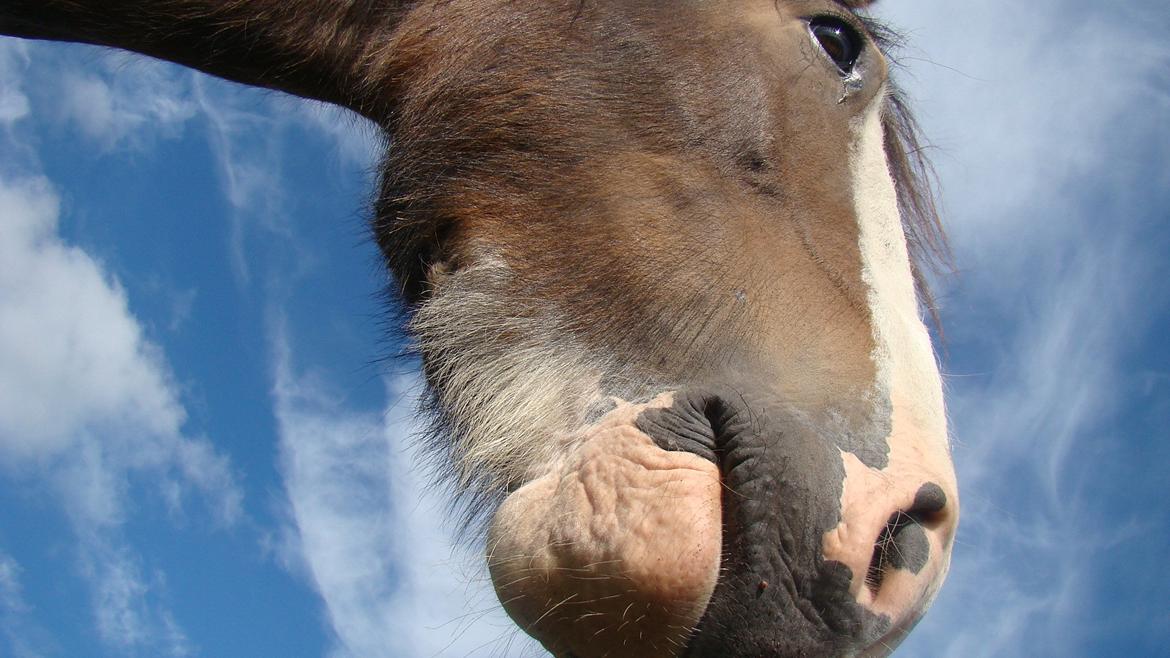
x: 776, y: 596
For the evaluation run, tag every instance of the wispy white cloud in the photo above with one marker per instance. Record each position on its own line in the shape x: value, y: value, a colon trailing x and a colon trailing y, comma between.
x: 14, y: 103
x: 370, y: 535
x: 125, y: 101
x: 248, y: 166
x: 1052, y: 128
x: 78, y: 375
x: 130, y: 615
x: 15, y: 106
x: 1022, y: 98
x: 86, y: 402
x: 249, y: 137
x: 24, y: 637
x: 1028, y: 431
x: 72, y: 353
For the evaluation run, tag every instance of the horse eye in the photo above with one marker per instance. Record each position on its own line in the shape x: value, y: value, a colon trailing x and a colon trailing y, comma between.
x: 838, y: 39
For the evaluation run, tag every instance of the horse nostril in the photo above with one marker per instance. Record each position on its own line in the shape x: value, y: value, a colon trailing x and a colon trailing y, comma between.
x: 929, y: 503
x: 902, y: 543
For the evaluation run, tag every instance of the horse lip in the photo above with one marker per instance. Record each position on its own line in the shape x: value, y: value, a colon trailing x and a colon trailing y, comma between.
x: 889, y: 641
x: 684, y: 427
x: 834, y: 645
x: 806, y: 597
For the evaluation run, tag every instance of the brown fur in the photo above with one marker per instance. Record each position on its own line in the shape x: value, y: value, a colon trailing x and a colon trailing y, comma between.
x: 647, y: 132
x: 651, y: 137
x: 394, y: 60
x: 585, y: 198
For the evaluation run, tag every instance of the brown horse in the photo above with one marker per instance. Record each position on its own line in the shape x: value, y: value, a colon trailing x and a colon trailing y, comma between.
x: 660, y: 260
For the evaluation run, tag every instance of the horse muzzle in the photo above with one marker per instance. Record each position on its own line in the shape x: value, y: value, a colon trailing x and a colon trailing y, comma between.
x: 708, y: 524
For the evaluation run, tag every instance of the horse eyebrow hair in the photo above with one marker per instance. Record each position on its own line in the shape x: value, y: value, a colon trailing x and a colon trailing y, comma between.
x: 873, y: 27
x: 849, y: 6
x: 887, y: 39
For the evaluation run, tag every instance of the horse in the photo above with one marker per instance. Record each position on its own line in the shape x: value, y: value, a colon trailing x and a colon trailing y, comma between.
x: 664, y: 265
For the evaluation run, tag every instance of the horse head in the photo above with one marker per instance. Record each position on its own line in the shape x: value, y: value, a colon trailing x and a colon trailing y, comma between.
x: 668, y: 317
x: 660, y: 261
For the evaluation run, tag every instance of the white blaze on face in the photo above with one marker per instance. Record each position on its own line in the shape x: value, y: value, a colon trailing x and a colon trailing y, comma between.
x: 905, y: 363
x: 907, y: 383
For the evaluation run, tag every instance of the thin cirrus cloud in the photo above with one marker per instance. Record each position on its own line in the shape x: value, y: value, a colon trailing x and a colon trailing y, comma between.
x: 1052, y: 126
x: 362, y: 528
x: 89, y: 409
x: 134, y: 98
x: 25, y: 638
x: 87, y: 404
x: 84, y: 395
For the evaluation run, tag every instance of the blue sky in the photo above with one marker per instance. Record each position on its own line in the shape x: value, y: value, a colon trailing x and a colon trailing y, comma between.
x: 204, y: 452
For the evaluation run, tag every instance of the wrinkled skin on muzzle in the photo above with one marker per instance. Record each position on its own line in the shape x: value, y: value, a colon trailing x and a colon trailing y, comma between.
x: 716, y: 523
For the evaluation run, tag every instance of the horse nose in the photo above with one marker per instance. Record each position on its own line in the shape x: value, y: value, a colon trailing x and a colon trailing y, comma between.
x: 895, y: 540
x: 904, y: 540
x: 822, y: 554
x: 701, y: 524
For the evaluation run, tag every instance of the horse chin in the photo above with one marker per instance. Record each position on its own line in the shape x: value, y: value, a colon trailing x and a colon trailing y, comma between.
x: 614, y: 550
